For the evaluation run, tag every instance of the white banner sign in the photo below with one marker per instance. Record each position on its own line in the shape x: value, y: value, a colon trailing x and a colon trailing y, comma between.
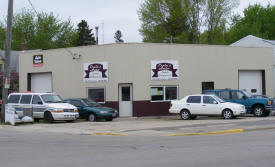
x: 165, y: 70
x: 96, y: 72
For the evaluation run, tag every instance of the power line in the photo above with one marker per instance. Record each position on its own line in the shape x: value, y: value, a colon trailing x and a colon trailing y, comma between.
x: 32, y: 6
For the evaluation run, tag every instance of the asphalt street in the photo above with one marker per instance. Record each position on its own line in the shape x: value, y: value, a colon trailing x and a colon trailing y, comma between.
x: 27, y: 149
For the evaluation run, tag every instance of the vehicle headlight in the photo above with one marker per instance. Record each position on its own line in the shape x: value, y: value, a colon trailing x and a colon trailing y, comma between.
x: 58, y: 110
x: 103, y: 112
x: 116, y: 111
x: 75, y: 110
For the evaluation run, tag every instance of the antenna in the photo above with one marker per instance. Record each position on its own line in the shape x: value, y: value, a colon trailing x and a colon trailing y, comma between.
x: 103, y: 33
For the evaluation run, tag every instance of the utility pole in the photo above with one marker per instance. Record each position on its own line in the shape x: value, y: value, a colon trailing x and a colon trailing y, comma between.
x: 6, y: 77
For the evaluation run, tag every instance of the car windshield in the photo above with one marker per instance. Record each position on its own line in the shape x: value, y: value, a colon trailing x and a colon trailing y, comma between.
x: 246, y: 93
x: 90, y: 103
x: 218, y: 99
x: 52, y: 98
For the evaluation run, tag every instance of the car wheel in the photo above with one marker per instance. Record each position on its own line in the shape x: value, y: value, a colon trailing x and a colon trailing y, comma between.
x: 48, y: 118
x: 185, y: 115
x: 258, y: 111
x: 92, y: 117
x: 109, y: 119
x: 193, y: 117
x: 228, y: 114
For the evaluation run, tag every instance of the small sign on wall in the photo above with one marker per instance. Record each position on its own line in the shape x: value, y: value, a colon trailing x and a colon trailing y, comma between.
x: 96, y: 72
x: 38, y: 60
x: 165, y: 70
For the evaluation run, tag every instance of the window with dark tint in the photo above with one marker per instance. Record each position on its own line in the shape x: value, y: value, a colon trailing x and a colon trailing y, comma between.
x: 208, y: 100
x: 36, y: 100
x: 207, y: 86
x: 194, y: 99
x: 236, y: 95
x: 225, y: 95
x: 126, y: 94
x: 97, y: 95
x: 76, y: 103
x: 157, y: 94
x: 171, y: 93
x: 26, y: 99
x: 14, y: 99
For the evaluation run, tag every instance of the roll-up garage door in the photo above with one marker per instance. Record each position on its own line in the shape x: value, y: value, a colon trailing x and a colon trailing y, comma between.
x: 251, y: 81
x: 41, y: 82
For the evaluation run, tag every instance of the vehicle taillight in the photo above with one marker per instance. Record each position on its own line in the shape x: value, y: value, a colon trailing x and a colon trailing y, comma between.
x: 170, y: 105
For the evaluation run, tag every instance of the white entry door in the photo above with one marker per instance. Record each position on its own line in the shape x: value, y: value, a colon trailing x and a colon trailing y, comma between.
x: 41, y: 82
x: 125, y: 100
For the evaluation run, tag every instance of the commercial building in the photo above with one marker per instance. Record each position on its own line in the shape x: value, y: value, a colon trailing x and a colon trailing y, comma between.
x: 252, y: 41
x: 141, y: 79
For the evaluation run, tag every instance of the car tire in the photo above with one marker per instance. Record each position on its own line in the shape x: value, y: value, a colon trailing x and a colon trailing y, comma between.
x: 193, y: 117
x: 48, y: 118
x: 185, y: 115
x: 258, y: 111
x: 109, y: 119
x: 227, y: 114
x: 92, y: 117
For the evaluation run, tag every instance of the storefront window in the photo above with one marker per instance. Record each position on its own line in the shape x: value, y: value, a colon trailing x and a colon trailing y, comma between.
x: 164, y: 93
x: 157, y: 94
x: 97, y: 94
x: 171, y: 93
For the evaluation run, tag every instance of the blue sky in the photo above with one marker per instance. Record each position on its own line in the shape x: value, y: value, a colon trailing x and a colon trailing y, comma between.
x: 115, y: 14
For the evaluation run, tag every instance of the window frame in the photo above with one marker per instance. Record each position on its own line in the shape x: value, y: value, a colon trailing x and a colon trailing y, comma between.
x: 164, y: 92
x: 207, y: 82
x: 39, y: 98
x: 15, y: 95
x: 104, y: 89
x: 230, y: 95
x: 201, y: 99
x: 26, y: 95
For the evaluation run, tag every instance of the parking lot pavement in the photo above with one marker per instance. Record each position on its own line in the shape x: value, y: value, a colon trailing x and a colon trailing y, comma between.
x: 148, y: 126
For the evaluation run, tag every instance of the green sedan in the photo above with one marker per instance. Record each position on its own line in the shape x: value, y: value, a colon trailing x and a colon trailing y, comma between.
x: 91, y: 110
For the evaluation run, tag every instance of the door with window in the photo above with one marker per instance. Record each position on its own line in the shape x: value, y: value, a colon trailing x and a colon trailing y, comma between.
x: 194, y: 103
x: 210, y: 106
x: 125, y: 100
x: 38, y: 107
x: 239, y: 97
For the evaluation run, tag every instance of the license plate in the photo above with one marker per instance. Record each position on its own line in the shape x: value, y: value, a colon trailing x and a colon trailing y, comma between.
x: 114, y: 114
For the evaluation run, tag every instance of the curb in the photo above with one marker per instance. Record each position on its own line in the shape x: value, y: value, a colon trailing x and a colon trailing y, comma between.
x: 210, y: 133
x: 108, y: 134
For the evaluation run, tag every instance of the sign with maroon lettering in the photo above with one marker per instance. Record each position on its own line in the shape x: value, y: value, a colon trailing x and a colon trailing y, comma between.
x: 96, y: 72
x: 165, y: 70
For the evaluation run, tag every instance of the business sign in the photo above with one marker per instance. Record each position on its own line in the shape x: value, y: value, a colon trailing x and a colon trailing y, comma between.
x: 38, y: 60
x: 96, y: 72
x: 165, y: 70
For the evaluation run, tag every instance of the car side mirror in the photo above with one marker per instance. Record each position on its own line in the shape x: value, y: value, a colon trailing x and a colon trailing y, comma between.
x: 244, y: 97
x: 215, y: 102
x: 40, y: 102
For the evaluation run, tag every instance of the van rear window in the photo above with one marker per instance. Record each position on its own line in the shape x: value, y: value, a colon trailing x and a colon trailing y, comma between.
x: 14, y: 99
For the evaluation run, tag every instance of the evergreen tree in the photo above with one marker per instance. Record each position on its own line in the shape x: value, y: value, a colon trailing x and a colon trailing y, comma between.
x: 85, y: 35
x: 118, y: 36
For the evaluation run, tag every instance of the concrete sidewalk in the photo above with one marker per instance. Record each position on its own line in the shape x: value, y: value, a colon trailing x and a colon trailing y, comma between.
x: 146, y: 126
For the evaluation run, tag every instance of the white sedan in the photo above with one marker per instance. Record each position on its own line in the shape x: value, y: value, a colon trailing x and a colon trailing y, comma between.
x: 193, y: 105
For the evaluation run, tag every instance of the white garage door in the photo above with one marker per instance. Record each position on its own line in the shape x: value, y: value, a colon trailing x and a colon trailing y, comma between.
x: 41, y: 82
x: 251, y: 81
